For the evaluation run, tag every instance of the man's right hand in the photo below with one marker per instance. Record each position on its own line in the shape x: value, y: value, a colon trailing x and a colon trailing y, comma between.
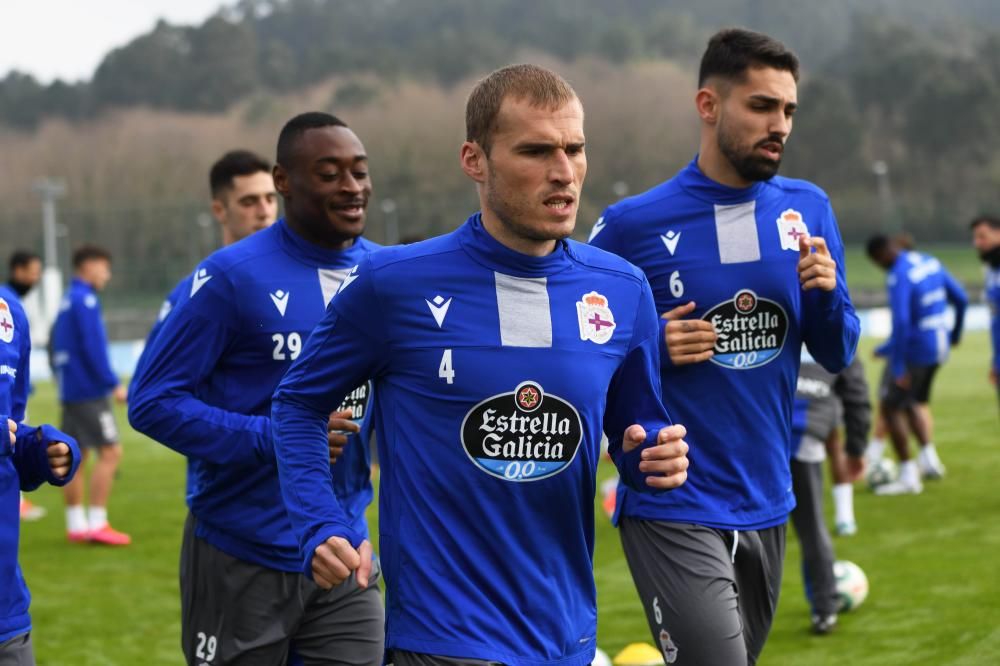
x: 12, y: 428
x: 338, y: 428
x: 688, y: 340
x: 335, y: 559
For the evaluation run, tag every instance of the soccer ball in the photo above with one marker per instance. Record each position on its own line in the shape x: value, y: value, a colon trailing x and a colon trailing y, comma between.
x: 881, y: 473
x: 852, y: 584
x: 601, y: 658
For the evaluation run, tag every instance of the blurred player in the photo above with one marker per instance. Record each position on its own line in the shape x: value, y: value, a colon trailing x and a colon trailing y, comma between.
x: 745, y: 266
x: 920, y: 290
x: 25, y: 272
x: 28, y: 457
x: 986, y: 240
x: 498, y: 351
x: 86, y: 382
x: 205, y: 391
x: 821, y: 398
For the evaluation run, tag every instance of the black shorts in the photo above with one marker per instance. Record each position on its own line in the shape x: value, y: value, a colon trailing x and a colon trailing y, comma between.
x: 919, y: 393
x: 90, y: 422
x: 709, y: 594
x: 233, y: 611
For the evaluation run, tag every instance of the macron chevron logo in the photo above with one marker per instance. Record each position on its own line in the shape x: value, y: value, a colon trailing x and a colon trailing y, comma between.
x: 439, y: 308
x: 670, y: 239
x: 199, y: 280
x: 280, y: 300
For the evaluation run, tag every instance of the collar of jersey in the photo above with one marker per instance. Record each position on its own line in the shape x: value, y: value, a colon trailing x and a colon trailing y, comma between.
x: 314, y: 255
x: 80, y: 284
x: 698, y: 185
x: 488, y: 251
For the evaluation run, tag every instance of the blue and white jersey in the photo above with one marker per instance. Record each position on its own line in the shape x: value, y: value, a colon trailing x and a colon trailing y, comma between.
x: 920, y: 290
x: 205, y: 387
x: 495, y: 373
x: 23, y: 466
x: 734, y: 252
x: 992, y: 284
x: 80, y: 346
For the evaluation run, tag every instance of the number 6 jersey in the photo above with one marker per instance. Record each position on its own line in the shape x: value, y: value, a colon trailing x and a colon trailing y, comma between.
x: 495, y: 372
x: 734, y: 252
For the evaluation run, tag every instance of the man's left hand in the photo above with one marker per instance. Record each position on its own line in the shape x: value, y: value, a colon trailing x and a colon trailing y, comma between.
x: 817, y: 270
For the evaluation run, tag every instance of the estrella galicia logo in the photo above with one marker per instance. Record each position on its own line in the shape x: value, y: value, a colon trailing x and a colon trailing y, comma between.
x: 751, y: 330
x: 522, y: 435
x: 357, y: 401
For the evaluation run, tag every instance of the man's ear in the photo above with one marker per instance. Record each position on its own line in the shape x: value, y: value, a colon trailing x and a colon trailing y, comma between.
x: 473, y: 160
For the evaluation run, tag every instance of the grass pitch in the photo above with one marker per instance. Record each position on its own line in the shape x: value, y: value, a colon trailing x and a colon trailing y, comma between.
x: 930, y: 559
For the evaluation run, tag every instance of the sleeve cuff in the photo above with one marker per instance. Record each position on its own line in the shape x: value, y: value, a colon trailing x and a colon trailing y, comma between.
x: 325, y: 532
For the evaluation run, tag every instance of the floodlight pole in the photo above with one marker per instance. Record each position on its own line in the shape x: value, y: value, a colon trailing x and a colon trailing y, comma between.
x: 50, y: 190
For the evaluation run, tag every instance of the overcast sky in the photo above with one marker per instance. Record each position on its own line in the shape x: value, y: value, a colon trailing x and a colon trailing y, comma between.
x: 68, y: 38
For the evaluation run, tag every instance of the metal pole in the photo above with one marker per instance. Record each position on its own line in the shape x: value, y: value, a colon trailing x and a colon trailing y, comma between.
x: 50, y: 189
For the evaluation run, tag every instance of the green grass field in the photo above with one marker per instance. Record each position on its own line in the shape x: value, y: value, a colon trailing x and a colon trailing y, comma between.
x: 929, y: 558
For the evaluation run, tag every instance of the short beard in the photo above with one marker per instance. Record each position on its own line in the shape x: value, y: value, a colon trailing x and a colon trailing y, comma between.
x: 991, y: 256
x: 503, y: 212
x: 750, y: 167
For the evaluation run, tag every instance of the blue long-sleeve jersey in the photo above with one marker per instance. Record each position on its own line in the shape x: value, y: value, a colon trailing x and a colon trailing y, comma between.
x: 734, y: 253
x: 23, y: 466
x: 494, y: 372
x: 920, y: 289
x: 80, y: 346
x: 205, y: 388
x: 993, y: 301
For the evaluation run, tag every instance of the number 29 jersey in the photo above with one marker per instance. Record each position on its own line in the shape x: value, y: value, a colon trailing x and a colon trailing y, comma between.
x: 495, y: 373
x: 734, y: 252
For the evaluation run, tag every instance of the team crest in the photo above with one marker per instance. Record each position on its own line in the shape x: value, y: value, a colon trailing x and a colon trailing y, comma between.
x: 668, y: 647
x: 6, y: 322
x: 597, y: 323
x: 790, y: 229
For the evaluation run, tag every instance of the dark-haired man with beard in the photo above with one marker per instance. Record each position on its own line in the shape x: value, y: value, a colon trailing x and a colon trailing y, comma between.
x: 745, y: 266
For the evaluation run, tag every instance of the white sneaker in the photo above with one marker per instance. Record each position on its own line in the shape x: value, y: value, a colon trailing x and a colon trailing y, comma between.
x: 900, y: 487
x: 931, y: 469
x: 846, y: 528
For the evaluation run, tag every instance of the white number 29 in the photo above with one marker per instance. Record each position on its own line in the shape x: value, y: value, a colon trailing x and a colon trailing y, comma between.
x: 294, y: 343
x: 445, y: 371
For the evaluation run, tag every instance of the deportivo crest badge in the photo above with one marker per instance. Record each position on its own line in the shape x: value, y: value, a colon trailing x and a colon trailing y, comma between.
x: 6, y: 322
x: 597, y: 323
x: 790, y: 229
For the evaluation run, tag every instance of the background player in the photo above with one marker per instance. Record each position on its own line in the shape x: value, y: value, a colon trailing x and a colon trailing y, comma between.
x: 746, y: 266
x: 497, y: 352
x: 206, y: 392
x: 920, y: 290
x: 28, y: 457
x: 79, y: 356
x: 986, y: 240
x: 821, y: 399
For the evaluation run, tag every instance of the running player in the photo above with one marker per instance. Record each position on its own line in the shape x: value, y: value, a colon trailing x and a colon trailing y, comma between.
x: 498, y: 352
x: 206, y: 393
x: 86, y: 382
x: 28, y: 457
x: 745, y: 266
x: 920, y: 290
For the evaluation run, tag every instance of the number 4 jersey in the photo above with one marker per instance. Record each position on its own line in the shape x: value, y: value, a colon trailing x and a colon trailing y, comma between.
x: 734, y: 252
x: 494, y: 372
x: 204, y: 387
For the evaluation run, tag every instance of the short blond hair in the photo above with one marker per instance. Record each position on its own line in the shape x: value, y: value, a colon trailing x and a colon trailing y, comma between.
x: 538, y: 86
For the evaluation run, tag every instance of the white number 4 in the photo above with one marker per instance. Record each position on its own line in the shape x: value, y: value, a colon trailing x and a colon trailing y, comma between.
x: 445, y: 370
